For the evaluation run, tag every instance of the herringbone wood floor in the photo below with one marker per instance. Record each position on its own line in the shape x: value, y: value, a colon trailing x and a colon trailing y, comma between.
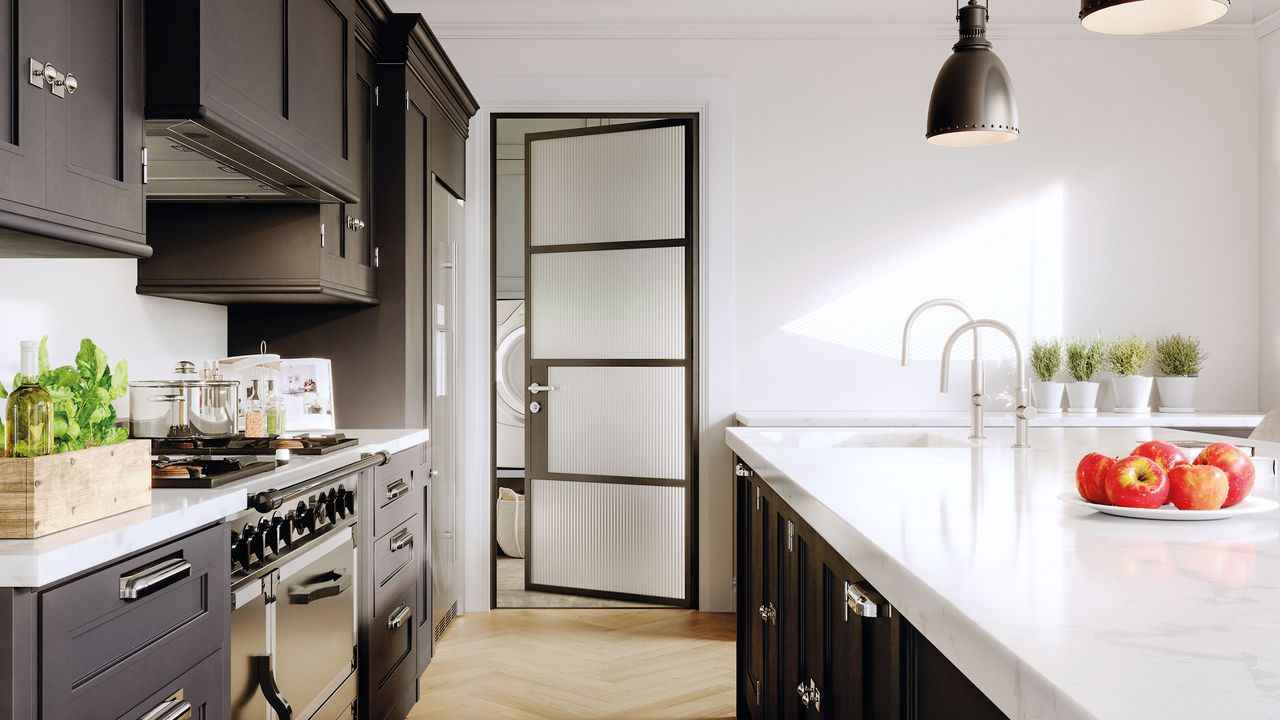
x: 561, y: 664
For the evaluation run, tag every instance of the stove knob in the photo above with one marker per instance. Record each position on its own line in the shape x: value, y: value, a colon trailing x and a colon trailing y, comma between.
x: 239, y: 550
x: 340, y: 502
x: 284, y: 529
x: 309, y: 519
x: 256, y: 541
x: 300, y: 519
x: 350, y: 500
x: 331, y: 506
x: 270, y: 538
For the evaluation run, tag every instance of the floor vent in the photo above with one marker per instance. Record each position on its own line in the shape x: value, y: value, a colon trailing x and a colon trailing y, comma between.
x: 446, y: 620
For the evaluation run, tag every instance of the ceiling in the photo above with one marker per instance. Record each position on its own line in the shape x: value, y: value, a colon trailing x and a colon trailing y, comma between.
x: 855, y: 12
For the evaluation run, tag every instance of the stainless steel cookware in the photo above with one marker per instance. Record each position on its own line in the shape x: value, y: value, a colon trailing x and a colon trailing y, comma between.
x: 187, y: 406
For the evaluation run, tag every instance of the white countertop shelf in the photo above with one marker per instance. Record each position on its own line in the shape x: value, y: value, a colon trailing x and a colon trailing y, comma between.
x: 896, y: 418
x: 46, y: 560
x: 1052, y: 610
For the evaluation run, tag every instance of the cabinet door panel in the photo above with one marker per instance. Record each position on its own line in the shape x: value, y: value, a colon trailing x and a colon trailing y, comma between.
x: 22, y: 105
x: 95, y: 134
x: 758, y: 637
x: 318, y: 56
x: 93, y: 112
x: 245, y: 57
x: 358, y: 229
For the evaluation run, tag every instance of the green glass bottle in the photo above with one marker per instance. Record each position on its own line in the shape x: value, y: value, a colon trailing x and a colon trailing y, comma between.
x: 28, y: 418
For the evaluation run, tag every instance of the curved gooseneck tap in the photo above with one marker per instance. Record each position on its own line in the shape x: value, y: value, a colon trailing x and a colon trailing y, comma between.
x: 978, y: 397
x: 1022, y: 405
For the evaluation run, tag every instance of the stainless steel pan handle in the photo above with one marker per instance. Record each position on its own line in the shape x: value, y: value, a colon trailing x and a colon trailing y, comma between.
x: 153, y: 578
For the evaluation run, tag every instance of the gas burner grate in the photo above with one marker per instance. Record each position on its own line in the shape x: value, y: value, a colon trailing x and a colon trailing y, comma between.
x: 305, y: 444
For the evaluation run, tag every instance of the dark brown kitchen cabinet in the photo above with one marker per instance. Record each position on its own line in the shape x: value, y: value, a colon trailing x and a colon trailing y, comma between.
x: 145, y: 631
x: 253, y: 253
x: 392, y: 547
x: 71, y: 128
x: 269, y: 74
x: 420, y: 123
x: 816, y: 640
x: 271, y: 252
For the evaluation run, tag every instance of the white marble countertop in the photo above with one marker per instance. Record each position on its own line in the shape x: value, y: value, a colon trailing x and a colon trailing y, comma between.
x: 39, y: 562
x: 1051, y: 610
x: 896, y: 418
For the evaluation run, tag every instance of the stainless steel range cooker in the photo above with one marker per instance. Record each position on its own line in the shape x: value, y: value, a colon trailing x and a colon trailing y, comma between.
x: 293, y: 586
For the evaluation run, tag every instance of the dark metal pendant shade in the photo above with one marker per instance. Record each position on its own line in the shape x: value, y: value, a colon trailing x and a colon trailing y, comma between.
x: 972, y: 101
x: 1143, y: 17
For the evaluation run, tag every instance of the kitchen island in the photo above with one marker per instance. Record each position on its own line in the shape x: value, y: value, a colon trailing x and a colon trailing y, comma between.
x: 1051, y: 611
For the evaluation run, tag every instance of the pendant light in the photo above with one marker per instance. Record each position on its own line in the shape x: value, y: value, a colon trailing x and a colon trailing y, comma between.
x: 1142, y: 17
x: 972, y: 102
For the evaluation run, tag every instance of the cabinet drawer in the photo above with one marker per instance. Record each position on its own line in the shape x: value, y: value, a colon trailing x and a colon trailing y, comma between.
x: 392, y: 653
x: 394, y: 489
x: 201, y: 688
x: 398, y: 708
x: 394, y: 551
x: 107, y: 637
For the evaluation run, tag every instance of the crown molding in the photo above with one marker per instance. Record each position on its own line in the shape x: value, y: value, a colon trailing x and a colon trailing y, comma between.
x: 1267, y: 25
x: 807, y: 31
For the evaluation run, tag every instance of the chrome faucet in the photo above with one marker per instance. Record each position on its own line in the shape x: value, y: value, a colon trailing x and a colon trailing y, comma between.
x: 979, y: 397
x: 1022, y: 411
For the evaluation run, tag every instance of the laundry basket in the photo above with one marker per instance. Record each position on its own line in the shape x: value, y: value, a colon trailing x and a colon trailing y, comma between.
x: 511, y: 522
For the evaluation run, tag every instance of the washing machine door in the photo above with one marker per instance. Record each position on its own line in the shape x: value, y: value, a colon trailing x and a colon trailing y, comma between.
x: 510, y: 370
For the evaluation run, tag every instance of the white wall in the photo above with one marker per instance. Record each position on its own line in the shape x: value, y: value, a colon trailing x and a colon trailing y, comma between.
x: 1269, y: 231
x: 1129, y: 204
x: 73, y: 299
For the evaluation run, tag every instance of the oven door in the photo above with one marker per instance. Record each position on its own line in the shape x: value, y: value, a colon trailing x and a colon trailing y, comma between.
x: 315, y: 617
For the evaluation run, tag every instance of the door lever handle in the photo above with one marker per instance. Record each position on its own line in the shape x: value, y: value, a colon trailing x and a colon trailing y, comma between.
x: 535, y: 388
x: 271, y: 691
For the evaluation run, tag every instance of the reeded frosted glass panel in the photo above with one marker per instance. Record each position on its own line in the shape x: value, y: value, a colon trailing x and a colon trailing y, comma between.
x: 619, y: 421
x: 611, y: 187
x: 608, y: 305
x: 613, y: 538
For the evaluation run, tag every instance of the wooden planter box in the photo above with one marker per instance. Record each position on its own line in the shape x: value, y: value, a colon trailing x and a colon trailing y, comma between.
x: 43, y: 495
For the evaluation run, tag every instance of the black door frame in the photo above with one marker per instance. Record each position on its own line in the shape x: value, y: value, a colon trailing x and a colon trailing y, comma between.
x: 693, y: 217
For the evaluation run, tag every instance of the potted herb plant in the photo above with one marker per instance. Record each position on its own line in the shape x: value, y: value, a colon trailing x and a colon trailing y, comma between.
x: 94, y: 470
x: 1180, y: 359
x: 1084, y: 360
x: 1128, y: 357
x: 1046, y: 361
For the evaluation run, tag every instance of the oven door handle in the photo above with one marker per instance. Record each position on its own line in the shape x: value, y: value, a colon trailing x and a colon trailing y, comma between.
x: 335, y: 582
x: 270, y: 691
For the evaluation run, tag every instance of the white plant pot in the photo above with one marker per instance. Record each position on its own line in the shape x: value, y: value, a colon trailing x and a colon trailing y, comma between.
x: 1133, y: 393
x: 1047, y: 397
x: 1177, y: 394
x: 1082, y: 397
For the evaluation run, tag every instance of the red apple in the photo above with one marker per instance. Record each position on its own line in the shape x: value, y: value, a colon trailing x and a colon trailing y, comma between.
x: 1137, y: 482
x: 1197, y: 487
x: 1167, y: 455
x: 1091, y: 477
x: 1236, y: 463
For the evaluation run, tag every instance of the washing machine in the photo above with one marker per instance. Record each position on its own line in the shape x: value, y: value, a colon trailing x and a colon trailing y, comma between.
x: 509, y: 377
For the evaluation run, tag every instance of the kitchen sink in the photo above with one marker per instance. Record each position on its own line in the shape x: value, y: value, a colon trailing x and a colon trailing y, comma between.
x: 806, y: 438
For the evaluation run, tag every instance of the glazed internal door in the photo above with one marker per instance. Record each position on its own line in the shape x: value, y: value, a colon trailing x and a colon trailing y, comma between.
x: 610, y: 258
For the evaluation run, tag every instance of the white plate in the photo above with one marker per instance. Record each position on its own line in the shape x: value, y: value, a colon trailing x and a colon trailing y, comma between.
x: 1248, y: 506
